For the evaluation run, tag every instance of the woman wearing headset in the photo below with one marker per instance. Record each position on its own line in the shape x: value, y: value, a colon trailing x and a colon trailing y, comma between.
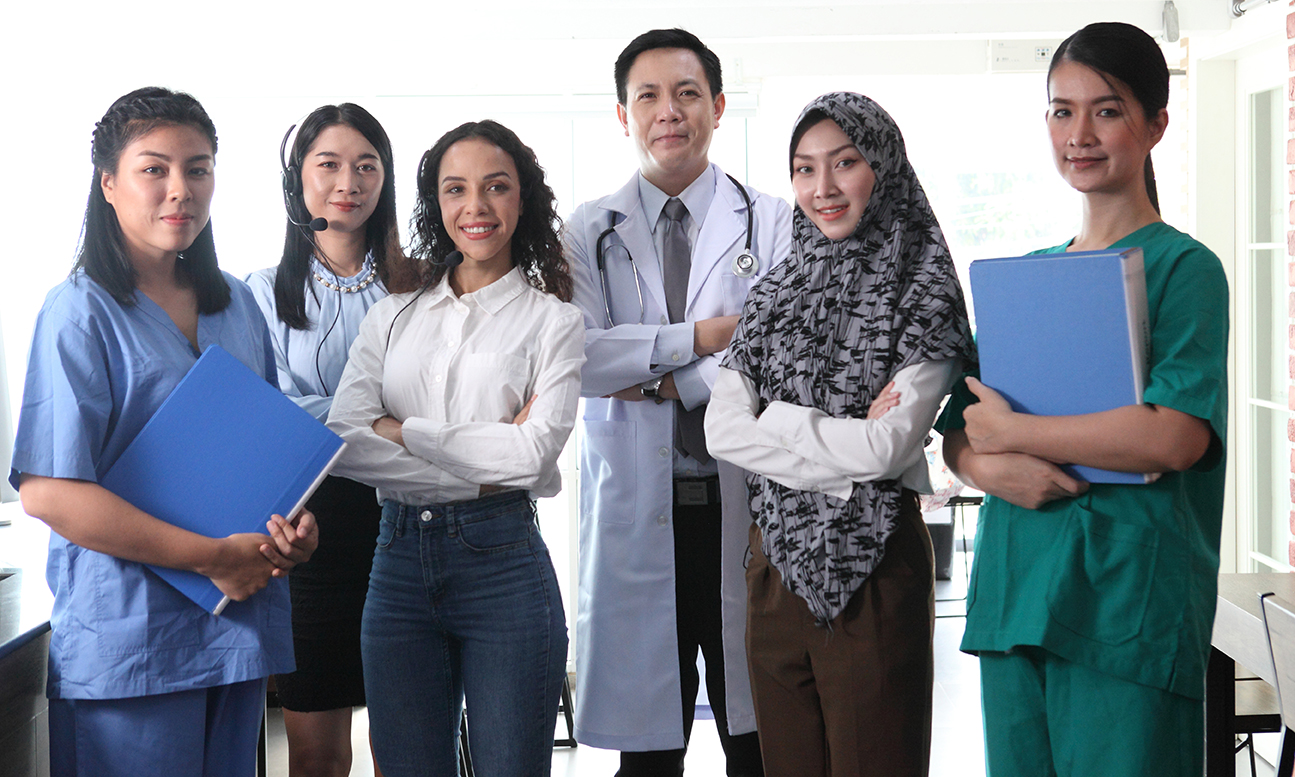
x: 455, y: 404
x: 341, y: 250
x: 142, y: 681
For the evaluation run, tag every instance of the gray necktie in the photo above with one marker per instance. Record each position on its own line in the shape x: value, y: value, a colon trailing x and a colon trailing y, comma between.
x: 676, y: 259
x: 676, y: 264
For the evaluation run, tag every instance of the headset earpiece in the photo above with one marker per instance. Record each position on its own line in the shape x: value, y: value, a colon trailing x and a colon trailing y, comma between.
x: 292, y: 198
x: 291, y: 174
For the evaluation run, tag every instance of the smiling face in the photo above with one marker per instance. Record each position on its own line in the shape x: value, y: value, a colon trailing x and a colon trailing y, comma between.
x: 161, y: 191
x: 341, y: 178
x: 671, y: 114
x: 479, y: 195
x: 1100, y: 134
x: 831, y: 179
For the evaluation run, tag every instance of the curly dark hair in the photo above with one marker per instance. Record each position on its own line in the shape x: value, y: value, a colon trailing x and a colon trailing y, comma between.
x: 536, y: 248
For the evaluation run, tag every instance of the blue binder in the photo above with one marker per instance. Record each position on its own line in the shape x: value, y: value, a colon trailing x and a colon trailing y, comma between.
x: 223, y: 453
x: 1064, y: 334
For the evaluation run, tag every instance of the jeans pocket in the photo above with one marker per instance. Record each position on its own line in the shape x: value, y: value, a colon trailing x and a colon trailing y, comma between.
x: 387, y: 528
x: 498, y: 533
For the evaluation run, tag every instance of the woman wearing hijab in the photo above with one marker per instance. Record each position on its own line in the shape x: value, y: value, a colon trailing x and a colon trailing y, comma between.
x: 830, y: 386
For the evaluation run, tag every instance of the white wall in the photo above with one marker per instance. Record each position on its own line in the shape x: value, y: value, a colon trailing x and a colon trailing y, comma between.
x: 258, y: 67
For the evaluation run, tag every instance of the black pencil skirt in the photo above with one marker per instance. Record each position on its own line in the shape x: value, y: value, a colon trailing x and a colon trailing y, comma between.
x: 328, y: 599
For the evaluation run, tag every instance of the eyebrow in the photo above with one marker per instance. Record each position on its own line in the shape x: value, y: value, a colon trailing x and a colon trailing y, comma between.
x: 833, y: 152
x: 486, y: 177
x: 682, y: 82
x: 365, y: 155
x: 1106, y: 98
x: 165, y: 158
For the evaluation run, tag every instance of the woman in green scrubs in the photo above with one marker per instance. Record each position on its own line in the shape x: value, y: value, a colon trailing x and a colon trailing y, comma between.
x: 1090, y: 607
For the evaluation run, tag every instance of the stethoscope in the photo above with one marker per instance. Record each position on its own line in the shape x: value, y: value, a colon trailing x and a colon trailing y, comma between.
x: 744, y: 264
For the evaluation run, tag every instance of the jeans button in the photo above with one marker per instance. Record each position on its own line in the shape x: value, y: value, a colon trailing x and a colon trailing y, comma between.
x: 425, y: 516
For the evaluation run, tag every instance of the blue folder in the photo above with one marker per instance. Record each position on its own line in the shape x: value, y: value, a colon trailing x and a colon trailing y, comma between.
x: 223, y: 453
x: 1064, y: 334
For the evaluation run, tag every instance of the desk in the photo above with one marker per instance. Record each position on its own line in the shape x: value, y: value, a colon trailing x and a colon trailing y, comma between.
x: 25, y: 602
x: 1239, y: 638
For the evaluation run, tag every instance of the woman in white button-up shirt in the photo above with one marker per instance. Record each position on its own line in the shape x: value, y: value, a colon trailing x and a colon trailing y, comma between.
x: 455, y: 404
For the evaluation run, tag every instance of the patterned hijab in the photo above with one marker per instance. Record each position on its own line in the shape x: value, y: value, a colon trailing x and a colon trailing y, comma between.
x: 829, y: 328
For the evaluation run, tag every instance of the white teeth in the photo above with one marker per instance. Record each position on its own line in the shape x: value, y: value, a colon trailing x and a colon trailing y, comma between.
x: 477, y: 230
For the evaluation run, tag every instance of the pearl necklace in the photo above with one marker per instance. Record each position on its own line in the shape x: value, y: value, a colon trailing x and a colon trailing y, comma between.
x: 368, y: 279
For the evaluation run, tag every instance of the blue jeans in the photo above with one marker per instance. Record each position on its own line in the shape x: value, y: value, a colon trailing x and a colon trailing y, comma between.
x: 463, y: 604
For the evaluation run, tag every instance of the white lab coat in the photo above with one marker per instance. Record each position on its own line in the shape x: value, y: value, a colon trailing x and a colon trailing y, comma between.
x: 627, y: 663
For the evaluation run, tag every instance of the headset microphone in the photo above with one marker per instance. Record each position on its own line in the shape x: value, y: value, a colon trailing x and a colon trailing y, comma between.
x: 454, y: 259
x: 316, y: 225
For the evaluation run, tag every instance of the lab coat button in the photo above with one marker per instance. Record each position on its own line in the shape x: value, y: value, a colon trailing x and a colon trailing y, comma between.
x: 675, y: 357
x: 664, y: 321
x: 425, y: 516
x: 440, y: 378
x: 663, y: 452
x: 661, y: 519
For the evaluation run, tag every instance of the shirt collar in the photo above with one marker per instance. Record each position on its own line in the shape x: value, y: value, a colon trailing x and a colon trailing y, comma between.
x: 318, y: 268
x: 491, y: 299
x: 697, y: 198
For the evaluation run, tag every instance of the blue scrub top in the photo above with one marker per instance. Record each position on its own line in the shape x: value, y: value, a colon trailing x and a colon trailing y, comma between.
x: 96, y: 373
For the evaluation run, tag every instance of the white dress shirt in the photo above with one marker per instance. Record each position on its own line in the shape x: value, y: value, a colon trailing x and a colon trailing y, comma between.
x: 806, y: 449
x: 455, y: 372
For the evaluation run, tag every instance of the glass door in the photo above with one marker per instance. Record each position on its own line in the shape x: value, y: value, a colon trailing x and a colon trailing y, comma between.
x: 1262, y: 319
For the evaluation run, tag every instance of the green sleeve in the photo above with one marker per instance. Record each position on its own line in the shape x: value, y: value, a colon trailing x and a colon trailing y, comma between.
x: 959, y: 398
x: 1188, y: 359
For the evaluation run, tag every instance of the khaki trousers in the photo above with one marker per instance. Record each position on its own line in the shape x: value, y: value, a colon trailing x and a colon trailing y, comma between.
x: 855, y: 699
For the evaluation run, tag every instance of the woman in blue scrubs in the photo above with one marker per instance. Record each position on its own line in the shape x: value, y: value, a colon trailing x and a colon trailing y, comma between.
x: 141, y: 680
x: 338, y: 177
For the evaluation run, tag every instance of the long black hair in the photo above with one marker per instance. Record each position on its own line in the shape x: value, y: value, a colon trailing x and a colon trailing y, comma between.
x: 535, y: 244
x: 102, y: 254
x: 1120, y: 51
x: 381, y: 235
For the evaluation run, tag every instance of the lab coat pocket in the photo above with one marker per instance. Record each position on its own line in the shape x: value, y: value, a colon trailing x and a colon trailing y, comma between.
x: 1106, y: 571
x: 608, y: 472
x: 735, y: 291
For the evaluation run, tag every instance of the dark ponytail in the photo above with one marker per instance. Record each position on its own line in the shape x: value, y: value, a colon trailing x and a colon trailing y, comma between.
x: 1129, y: 55
x: 102, y: 254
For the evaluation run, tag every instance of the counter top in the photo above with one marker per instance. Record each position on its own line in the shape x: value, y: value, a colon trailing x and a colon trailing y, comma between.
x: 25, y: 598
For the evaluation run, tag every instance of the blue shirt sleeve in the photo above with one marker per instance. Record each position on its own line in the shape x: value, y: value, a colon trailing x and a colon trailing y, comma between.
x: 67, y: 407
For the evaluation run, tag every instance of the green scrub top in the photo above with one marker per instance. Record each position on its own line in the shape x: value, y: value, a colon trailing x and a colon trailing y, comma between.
x: 1123, y: 578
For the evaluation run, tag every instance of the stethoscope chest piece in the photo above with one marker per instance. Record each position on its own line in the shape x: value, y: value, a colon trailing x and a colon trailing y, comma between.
x: 745, y: 264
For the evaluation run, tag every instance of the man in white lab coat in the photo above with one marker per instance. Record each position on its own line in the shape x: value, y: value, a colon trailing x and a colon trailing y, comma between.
x: 663, y: 527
